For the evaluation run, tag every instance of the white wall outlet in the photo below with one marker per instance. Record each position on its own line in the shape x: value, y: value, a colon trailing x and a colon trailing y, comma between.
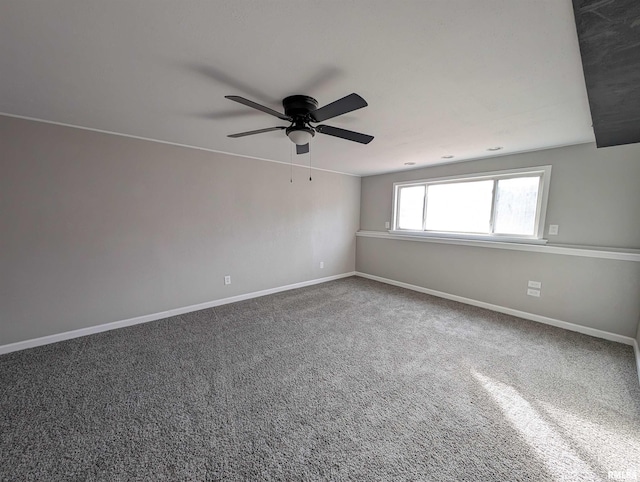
x: 553, y: 229
x: 321, y: 264
x: 386, y: 224
x: 535, y: 284
x: 535, y: 293
x: 227, y: 280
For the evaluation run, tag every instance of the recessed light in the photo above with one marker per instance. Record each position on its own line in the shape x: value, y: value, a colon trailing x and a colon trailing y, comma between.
x: 447, y: 157
x: 409, y: 163
x: 496, y: 148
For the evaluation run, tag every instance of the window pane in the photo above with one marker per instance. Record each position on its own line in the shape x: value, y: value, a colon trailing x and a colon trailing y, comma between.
x: 516, y: 203
x: 460, y: 207
x: 411, y: 207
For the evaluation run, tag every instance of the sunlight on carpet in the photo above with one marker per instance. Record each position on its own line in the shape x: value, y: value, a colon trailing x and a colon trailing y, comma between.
x: 561, y: 461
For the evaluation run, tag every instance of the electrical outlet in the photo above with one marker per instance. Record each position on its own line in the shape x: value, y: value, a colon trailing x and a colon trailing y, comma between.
x: 321, y: 264
x: 535, y: 284
x: 386, y: 225
x: 535, y: 293
x: 227, y: 280
x: 553, y: 230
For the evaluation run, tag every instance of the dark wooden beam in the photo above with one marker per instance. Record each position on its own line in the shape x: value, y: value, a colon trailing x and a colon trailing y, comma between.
x: 609, y: 36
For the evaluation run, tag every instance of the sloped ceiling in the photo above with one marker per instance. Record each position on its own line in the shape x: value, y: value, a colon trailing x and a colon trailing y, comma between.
x: 441, y: 77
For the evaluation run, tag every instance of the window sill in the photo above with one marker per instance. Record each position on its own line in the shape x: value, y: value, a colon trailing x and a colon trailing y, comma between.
x: 566, y: 250
x: 468, y: 237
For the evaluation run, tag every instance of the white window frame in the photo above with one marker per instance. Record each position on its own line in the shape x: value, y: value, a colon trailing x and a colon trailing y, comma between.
x: 541, y: 209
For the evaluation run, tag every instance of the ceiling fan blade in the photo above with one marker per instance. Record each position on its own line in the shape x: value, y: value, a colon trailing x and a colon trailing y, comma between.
x: 341, y: 106
x: 344, y: 134
x: 254, y: 105
x: 259, y: 131
x: 302, y: 149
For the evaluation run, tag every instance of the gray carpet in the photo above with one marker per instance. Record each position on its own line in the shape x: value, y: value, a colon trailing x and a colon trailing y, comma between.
x: 348, y: 380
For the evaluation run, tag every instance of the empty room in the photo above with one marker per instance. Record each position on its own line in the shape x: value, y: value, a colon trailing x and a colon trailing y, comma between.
x: 359, y: 240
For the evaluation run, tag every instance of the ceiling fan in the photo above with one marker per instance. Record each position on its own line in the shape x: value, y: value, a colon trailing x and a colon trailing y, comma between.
x: 301, y: 111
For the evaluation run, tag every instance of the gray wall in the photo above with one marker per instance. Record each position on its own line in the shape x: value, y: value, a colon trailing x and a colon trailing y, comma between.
x: 594, y: 198
x: 99, y: 228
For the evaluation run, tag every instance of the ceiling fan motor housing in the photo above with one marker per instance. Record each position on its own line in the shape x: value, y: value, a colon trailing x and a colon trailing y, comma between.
x: 299, y: 107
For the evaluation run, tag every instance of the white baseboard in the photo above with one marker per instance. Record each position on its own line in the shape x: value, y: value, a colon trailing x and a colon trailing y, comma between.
x: 67, y: 335
x: 627, y: 340
x: 637, y: 350
x: 45, y: 340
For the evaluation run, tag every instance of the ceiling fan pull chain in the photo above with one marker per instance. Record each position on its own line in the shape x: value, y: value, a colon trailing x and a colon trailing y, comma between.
x: 309, y: 165
x: 291, y: 163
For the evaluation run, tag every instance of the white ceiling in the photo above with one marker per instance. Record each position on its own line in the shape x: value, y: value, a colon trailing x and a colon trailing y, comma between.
x: 449, y: 77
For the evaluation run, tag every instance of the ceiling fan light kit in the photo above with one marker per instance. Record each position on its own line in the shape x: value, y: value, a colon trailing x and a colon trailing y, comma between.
x: 301, y: 111
x: 300, y: 135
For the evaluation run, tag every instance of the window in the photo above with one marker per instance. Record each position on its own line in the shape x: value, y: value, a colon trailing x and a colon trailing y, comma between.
x: 504, y: 205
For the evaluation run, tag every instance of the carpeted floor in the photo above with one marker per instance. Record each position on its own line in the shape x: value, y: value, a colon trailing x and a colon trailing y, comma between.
x: 347, y: 380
